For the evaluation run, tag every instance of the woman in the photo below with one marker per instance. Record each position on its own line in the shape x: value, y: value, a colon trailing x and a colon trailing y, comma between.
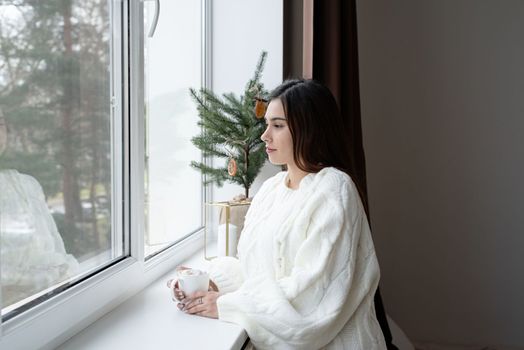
x: 306, y: 271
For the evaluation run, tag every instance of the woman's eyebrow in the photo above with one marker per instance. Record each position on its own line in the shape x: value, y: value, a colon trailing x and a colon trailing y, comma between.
x: 276, y: 118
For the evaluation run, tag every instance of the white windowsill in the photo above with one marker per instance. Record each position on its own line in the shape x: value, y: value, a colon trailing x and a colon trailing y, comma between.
x: 151, y: 320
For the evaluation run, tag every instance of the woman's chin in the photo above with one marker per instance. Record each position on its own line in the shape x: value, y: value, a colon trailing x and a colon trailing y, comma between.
x: 275, y: 161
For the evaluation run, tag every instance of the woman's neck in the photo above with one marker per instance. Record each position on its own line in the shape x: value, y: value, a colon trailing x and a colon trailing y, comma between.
x: 294, y: 176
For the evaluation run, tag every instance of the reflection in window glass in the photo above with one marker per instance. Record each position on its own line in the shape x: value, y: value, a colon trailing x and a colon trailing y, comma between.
x: 55, y: 145
x: 172, y: 65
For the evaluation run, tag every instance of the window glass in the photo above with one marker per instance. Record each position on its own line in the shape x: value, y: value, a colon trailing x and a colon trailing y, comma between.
x: 172, y: 65
x: 57, y: 145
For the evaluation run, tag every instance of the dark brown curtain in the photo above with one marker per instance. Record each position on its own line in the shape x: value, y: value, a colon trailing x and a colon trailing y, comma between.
x: 335, y: 64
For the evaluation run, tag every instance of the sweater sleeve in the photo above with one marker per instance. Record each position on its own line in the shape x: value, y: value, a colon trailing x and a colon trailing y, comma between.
x: 226, y: 273
x: 334, y: 272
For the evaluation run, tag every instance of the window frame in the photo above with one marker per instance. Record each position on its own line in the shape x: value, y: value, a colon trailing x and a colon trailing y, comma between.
x: 55, y: 320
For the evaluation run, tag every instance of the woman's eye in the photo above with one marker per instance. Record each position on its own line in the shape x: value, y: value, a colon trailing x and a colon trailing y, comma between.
x: 277, y: 126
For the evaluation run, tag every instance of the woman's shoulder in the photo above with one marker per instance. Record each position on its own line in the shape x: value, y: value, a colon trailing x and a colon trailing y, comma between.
x: 334, y: 189
x: 333, y: 180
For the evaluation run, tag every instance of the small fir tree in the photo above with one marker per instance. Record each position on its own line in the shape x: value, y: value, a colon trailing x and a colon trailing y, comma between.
x: 231, y: 131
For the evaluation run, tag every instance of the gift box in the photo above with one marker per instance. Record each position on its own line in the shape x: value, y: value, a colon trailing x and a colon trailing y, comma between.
x: 224, y: 223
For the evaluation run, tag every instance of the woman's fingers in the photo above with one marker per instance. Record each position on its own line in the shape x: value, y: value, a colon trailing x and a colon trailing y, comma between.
x: 173, y: 285
x: 200, y: 303
x: 178, y: 294
x: 200, y: 310
x: 194, y: 299
x: 212, y: 286
x: 195, y: 308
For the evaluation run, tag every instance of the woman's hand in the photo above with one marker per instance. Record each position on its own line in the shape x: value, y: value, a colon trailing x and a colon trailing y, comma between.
x: 201, y: 304
x: 178, y: 294
x: 173, y: 285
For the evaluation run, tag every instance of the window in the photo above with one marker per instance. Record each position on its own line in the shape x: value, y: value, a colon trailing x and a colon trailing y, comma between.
x: 95, y: 148
x: 62, y: 141
x: 172, y: 64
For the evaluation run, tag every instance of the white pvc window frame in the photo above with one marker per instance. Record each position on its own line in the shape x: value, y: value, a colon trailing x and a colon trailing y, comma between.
x: 55, y: 320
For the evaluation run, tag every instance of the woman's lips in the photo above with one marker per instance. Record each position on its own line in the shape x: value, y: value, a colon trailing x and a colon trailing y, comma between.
x: 269, y: 150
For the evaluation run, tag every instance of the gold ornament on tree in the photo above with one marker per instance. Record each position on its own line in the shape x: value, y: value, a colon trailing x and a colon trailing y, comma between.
x: 232, y: 167
x: 260, y: 103
x: 260, y: 107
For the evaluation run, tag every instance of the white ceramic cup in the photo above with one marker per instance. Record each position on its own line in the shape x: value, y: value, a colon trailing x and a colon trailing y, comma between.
x: 192, y: 280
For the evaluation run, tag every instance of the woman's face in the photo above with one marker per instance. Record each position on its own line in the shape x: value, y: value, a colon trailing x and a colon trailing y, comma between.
x: 277, y: 137
x: 3, y: 135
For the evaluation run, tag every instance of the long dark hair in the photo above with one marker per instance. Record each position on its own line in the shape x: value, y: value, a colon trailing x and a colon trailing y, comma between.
x: 319, y: 133
x: 317, y: 128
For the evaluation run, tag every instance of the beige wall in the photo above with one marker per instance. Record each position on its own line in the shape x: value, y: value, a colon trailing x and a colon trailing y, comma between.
x: 442, y: 93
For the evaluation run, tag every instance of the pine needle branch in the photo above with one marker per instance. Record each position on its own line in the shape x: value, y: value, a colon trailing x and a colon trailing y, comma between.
x: 231, y: 131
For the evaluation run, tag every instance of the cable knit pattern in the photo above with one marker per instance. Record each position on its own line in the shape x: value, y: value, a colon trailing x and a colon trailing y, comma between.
x: 306, y: 272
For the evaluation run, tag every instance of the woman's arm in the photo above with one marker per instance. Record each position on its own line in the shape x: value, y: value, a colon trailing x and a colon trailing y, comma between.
x: 226, y: 274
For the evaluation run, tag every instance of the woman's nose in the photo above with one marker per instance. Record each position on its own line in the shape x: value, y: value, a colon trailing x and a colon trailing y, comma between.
x: 264, y: 137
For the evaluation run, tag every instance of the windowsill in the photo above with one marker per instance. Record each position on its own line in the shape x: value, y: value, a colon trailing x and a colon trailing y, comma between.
x: 151, y: 319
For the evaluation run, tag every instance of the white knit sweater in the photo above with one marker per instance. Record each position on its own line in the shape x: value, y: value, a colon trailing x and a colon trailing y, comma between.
x: 306, y: 272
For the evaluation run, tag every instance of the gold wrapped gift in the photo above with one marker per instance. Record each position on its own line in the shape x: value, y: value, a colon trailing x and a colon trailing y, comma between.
x: 224, y: 223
